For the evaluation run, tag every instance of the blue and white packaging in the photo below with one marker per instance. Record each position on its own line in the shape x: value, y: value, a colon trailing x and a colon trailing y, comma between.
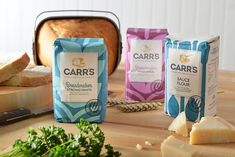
x: 79, y: 79
x: 191, y: 76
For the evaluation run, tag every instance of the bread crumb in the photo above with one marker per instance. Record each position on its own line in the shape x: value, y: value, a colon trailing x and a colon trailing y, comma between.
x: 139, y: 147
x: 147, y: 143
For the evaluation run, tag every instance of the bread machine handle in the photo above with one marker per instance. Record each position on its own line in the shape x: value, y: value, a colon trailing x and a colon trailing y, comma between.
x: 37, y: 21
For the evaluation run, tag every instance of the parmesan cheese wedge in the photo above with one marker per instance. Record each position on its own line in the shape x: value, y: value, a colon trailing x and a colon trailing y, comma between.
x: 179, y: 125
x: 212, y: 130
x: 172, y: 147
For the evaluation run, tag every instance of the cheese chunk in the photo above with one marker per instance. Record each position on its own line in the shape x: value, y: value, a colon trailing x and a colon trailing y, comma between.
x: 172, y: 147
x: 212, y: 130
x: 179, y: 125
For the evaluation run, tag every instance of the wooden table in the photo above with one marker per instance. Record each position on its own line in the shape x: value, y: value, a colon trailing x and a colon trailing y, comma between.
x: 125, y: 130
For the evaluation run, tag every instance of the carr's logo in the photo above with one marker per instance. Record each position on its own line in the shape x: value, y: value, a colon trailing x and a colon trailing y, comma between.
x: 184, y: 58
x: 78, y: 62
x: 146, y: 48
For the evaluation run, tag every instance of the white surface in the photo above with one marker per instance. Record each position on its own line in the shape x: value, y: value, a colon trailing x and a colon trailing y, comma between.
x: 201, y: 17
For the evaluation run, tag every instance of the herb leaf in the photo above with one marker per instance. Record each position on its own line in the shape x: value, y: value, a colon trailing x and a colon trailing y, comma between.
x: 54, y: 142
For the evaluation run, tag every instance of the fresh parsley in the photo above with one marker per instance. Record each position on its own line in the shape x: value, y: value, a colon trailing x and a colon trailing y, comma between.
x: 54, y: 142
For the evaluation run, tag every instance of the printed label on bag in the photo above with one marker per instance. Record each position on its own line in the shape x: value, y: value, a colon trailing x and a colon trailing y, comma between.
x: 79, y: 76
x: 145, y: 60
x: 184, y: 72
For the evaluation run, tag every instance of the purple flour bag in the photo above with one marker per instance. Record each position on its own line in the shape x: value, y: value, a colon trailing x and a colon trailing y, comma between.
x: 145, y: 67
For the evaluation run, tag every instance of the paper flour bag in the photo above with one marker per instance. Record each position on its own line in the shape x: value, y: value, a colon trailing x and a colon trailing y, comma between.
x: 145, y: 68
x: 79, y: 79
x: 191, y: 76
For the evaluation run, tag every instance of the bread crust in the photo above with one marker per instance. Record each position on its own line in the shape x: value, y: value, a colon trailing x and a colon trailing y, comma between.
x: 13, y: 67
x: 30, y: 77
x: 77, y: 28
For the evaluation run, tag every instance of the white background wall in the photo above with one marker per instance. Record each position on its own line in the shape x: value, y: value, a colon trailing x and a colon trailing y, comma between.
x: 200, y: 17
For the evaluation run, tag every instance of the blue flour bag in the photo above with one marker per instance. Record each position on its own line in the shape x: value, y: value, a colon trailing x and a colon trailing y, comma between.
x: 79, y: 79
x: 191, y: 76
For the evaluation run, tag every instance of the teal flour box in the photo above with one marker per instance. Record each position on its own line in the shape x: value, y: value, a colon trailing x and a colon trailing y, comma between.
x: 79, y: 79
x: 191, y: 76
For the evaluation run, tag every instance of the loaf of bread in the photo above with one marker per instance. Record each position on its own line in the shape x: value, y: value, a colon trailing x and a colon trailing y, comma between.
x: 30, y: 77
x: 76, y: 28
x: 12, y: 66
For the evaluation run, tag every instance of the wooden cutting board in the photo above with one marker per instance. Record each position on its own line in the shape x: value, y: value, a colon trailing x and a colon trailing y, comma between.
x: 125, y: 130
x: 28, y: 97
x: 225, y: 103
x: 159, y: 121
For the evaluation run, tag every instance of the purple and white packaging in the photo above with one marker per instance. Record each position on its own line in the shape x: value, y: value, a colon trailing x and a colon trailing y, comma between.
x: 145, y: 67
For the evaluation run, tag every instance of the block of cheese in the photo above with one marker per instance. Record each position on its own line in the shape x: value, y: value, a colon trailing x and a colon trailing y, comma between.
x: 12, y: 65
x: 172, y: 147
x: 179, y: 125
x: 30, y: 77
x: 212, y: 130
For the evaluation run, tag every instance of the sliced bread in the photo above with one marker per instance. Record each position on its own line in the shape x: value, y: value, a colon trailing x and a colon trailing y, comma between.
x: 30, y: 77
x: 13, y: 65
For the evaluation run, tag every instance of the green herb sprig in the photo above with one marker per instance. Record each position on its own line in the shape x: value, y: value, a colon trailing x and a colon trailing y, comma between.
x: 54, y: 142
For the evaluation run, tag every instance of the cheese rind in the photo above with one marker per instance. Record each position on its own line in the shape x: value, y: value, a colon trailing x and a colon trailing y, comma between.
x: 212, y: 130
x: 179, y: 125
x: 171, y: 147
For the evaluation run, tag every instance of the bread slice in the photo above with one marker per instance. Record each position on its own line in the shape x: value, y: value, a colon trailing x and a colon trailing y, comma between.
x: 13, y: 65
x: 30, y: 77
